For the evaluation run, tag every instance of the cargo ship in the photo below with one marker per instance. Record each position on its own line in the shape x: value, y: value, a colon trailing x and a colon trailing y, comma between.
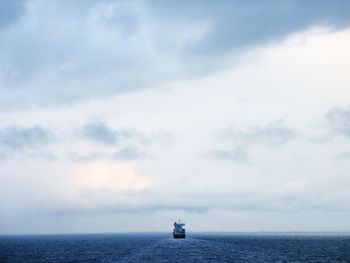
x: 179, y: 231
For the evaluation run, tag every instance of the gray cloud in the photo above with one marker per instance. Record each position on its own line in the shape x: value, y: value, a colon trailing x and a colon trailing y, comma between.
x: 344, y: 156
x: 101, y: 133
x: 131, y: 144
x: 339, y: 120
x: 74, y: 156
x: 14, y: 139
x: 237, y: 154
x: 237, y: 24
x: 128, y: 153
x: 73, y: 211
x: 3, y: 156
x: 122, y: 46
x: 124, y: 153
x: 273, y: 134
x: 10, y: 12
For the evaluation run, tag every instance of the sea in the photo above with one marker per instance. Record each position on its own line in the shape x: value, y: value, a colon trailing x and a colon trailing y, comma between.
x: 161, y: 247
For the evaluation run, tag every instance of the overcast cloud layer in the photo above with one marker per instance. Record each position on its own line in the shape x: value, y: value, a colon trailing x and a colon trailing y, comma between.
x: 232, y: 115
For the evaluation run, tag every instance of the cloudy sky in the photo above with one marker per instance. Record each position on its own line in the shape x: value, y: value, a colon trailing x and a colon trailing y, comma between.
x: 126, y: 115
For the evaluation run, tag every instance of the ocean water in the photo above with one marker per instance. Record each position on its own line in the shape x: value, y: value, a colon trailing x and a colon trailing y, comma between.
x: 163, y: 248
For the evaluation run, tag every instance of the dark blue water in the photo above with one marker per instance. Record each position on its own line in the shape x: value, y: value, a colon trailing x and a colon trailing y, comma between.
x: 162, y: 248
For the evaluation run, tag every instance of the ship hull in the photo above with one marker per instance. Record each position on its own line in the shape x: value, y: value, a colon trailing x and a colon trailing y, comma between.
x: 179, y: 235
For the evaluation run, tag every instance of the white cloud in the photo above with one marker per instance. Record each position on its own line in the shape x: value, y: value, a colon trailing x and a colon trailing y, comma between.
x: 108, y: 177
x: 291, y: 80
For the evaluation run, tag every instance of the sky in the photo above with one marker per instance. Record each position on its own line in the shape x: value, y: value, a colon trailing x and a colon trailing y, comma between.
x: 124, y: 116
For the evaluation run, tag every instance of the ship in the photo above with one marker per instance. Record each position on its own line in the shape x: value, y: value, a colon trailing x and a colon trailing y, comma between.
x: 179, y: 231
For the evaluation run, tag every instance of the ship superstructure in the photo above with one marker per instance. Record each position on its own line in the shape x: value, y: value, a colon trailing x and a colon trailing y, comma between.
x: 179, y: 231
